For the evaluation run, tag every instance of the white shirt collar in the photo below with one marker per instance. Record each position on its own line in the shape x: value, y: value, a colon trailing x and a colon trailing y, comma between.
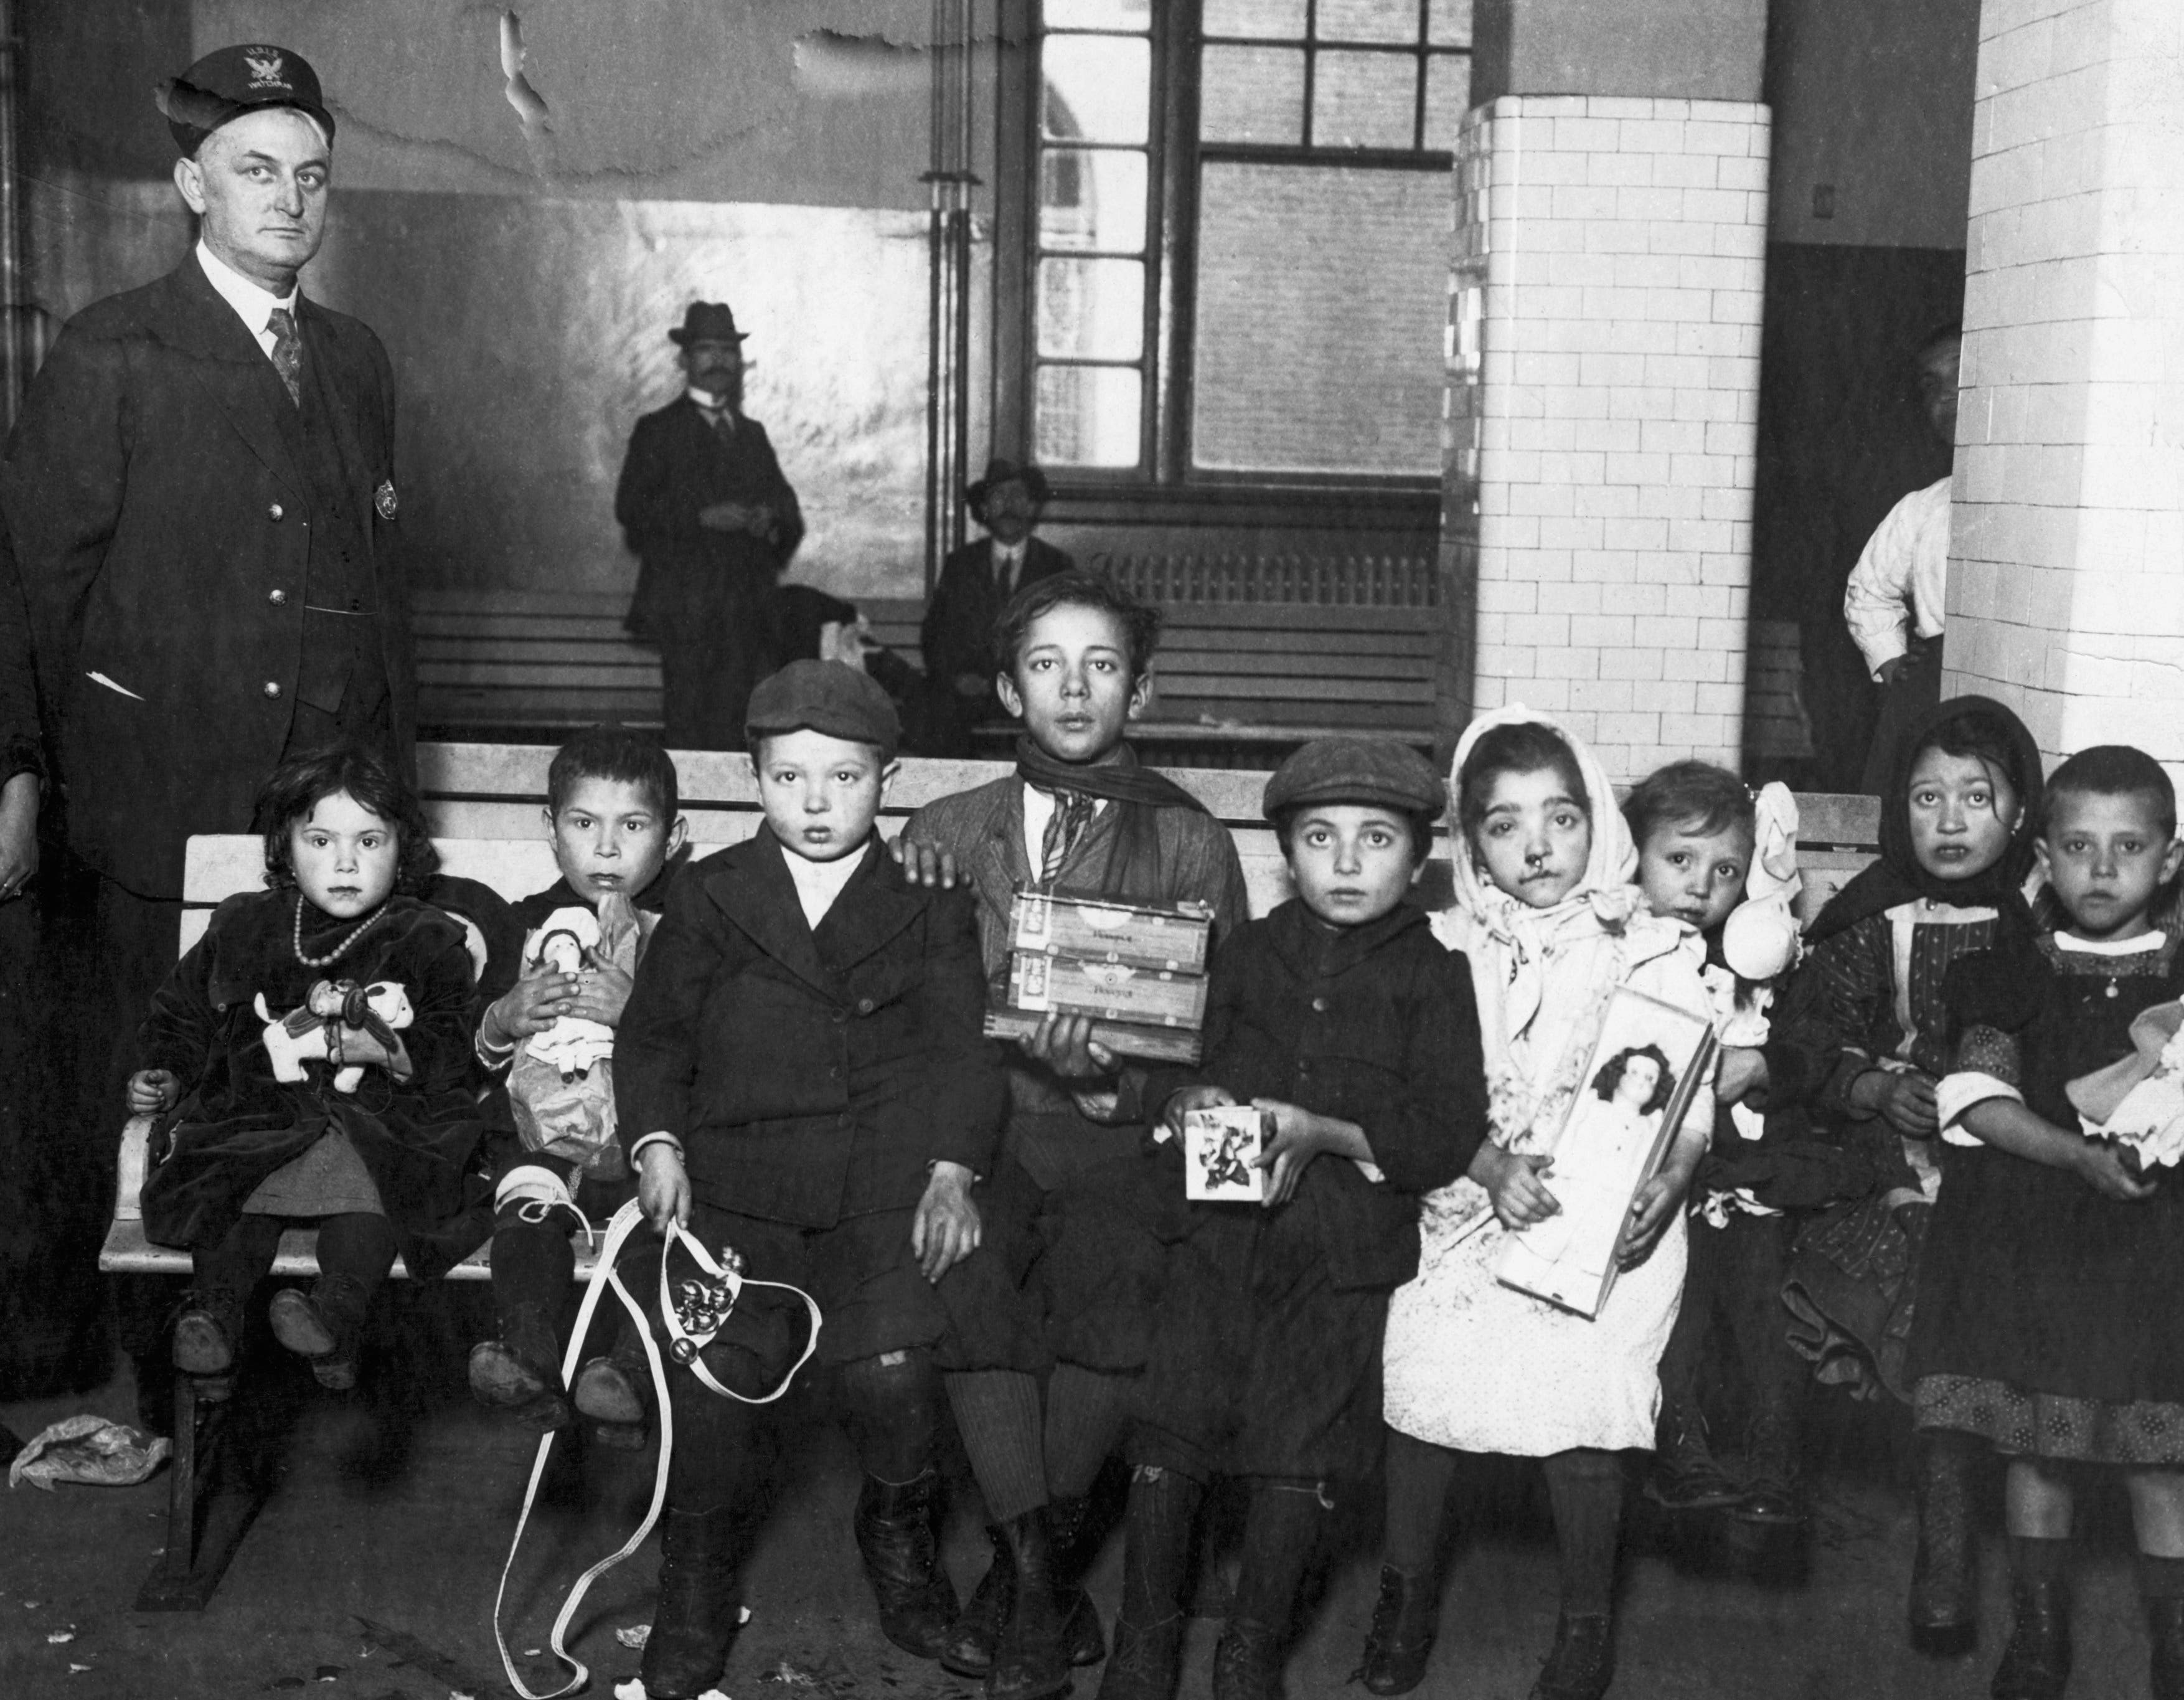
x: 1011, y: 552
x: 707, y: 400
x: 252, y: 302
x: 2112, y: 947
x: 818, y: 884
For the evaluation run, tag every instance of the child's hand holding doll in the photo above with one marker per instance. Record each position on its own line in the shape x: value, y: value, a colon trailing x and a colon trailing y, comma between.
x: 532, y: 1004
x: 1516, y: 1185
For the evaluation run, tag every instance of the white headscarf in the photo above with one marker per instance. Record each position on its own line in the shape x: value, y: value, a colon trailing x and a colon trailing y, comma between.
x: 1508, y: 941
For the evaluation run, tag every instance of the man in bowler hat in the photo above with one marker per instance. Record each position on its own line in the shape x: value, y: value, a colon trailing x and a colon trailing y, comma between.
x: 199, y: 497
x: 704, y: 505
x: 976, y: 582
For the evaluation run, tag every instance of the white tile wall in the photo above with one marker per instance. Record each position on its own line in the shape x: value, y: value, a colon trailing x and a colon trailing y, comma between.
x: 1604, y: 387
x: 2066, y: 577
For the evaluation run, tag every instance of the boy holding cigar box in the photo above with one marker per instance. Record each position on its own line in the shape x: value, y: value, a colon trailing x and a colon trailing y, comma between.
x: 1081, y: 815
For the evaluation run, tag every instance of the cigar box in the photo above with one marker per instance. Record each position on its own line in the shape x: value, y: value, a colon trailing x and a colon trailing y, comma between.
x: 1113, y: 991
x: 1172, y: 937
x: 1146, y: 1044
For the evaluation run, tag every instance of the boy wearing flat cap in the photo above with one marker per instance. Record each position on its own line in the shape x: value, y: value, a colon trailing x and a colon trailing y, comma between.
x: 802, y: 1077
x: 1343, y: 1019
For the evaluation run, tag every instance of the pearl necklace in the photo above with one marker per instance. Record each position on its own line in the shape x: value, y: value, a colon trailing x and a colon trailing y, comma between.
x: 339, y: 950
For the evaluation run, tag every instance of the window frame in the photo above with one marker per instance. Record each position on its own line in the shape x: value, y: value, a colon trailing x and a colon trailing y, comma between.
x: 1164, y: 479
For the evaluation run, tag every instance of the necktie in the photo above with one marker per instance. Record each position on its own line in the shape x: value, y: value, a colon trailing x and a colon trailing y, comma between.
x: 723, y: 424
x: 1065, y: 827
x: 1004, y: 570
x: 287, y: 352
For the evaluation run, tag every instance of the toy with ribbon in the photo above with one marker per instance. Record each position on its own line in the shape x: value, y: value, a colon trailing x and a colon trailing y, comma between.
x: 693, y: 1312
x: 319, y: 1030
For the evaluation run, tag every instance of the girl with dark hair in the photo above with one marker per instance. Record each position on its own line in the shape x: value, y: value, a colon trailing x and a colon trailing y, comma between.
x: 1550, y: 925
x: 309, y: 1059
x: 1859, y: 1043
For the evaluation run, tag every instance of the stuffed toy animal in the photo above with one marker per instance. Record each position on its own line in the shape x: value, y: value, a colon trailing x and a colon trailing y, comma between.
x: 333, y: 1011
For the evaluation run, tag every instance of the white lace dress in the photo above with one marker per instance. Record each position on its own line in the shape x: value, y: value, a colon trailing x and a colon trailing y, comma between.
x: 1475, y: 1365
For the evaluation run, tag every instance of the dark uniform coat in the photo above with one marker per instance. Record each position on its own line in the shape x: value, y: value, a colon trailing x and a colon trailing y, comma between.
x: 957, y: 636
x: 701, y: 594
x: 158, y: 509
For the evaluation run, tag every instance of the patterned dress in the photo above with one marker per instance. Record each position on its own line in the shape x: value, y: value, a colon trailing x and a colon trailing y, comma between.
x: 2047, y: 1319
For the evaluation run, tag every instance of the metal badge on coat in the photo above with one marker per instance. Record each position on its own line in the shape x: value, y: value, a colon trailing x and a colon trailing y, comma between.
x: 383, y: 499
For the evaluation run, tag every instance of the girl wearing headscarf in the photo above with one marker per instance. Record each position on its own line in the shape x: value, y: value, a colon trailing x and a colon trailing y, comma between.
x: 1552, y: 925
x: 1861, y: 1041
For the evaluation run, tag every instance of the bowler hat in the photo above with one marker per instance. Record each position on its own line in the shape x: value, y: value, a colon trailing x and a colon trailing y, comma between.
x: 1375, y: 771
x: 707, y: 321
x: 223, y: 86
x: 999, y: 472
x: 824, y: 696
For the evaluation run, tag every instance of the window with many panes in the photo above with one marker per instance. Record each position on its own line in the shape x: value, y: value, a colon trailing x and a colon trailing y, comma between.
x: 1286, y: 164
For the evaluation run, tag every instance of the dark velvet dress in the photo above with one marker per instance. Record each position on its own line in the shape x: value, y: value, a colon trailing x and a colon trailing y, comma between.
x: 2047, y: 1318
x: 1264, y: 1359
x: 237, y: 1125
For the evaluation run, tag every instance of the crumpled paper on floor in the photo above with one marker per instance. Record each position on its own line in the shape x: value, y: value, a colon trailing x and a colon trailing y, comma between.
x: 90, y: 1450
x: 634, y: 1690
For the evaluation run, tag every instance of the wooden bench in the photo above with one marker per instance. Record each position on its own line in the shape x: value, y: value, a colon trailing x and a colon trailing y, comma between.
x: 483, y: 802
x: 1249, y: 678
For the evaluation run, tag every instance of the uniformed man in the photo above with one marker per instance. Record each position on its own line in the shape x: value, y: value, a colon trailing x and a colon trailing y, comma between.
x: 199, y: 494
x: 704, y: 504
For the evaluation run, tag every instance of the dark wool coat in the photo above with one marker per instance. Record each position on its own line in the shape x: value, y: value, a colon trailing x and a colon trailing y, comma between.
x: 957, y: 636
x: 155, y: 499
x: 236, y: 1124
x: 18, y: 695
x: 677, y: 465
x: 811, y: 1076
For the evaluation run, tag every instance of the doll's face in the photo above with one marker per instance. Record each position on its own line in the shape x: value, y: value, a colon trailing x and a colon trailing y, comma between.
x: 1693, y: 876
x: 1962, y: 814
x: 345, y: 856
x: 1641, y: 1075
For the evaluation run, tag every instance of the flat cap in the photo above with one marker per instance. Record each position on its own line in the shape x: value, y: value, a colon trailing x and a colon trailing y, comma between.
x: 1376, y: 771
x: 226, y: 84
x: 825, y: 696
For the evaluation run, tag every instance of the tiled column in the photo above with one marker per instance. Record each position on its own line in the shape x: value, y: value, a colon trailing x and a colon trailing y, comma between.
x: 2066, y: 571
x: 1604, y: 405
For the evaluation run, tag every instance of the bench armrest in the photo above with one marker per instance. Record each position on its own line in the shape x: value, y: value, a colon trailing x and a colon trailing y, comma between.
x: 129, y: 1173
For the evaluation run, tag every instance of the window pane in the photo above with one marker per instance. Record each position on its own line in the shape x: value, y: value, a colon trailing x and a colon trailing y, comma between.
x: 1090, y: 198
x: 1449, y: 24
x: 1096, y: 88
x: 1260, y: 20
x: 1251, y: 94
x: 1322, y: 293
x: 1366, y: 20
x: 1098, y: 14
x: 1448, y: 97
x: 1086, y: 415
x: 1093, y: 309
x: 1364, y: 100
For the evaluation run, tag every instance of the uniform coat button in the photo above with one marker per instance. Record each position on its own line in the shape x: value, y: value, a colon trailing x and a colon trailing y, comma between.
x: 277, y: 598
x: 272, y: 687
x: 1320, y: 1005
x: 273, y: 512
x: 864, y: 1005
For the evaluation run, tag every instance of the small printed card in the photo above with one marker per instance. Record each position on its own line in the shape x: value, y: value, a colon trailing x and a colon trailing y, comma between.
x: 1220, y: 1149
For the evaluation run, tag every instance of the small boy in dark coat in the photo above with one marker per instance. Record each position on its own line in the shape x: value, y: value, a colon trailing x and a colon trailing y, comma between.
x: 1343, y: 1018
x: 801, y: 1077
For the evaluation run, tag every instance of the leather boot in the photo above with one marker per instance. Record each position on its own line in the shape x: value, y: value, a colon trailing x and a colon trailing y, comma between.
x: 209, y: 1332
x: 977, y: 1627
x: 894, y: 1530
x: 2036, y: 1664
x: 1943, y: 1606
x: 696, y: 1618
x: 1029, y: 1663
x: 325, y: 1326
x: 1148, y: 1651
x: 1247, y: 1661
x: 1771, y: 1494
x: 615, y: 1394
x: 520, y: 1373
x: 1082, y: 1641
x: 1404, y: 1623
x: 2165, y: 1622
x: 1582, y: 1662
x: 1685, y: 1476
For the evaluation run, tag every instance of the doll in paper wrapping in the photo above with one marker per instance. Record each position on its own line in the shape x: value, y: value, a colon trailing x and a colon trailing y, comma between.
x: 2139, y: 1101
x: 562, y: 1085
